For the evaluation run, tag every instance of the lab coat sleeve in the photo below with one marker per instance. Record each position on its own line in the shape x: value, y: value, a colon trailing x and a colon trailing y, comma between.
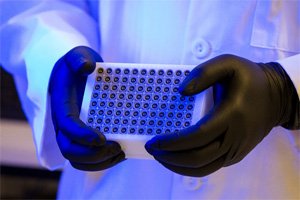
x: 32, y: 41
x: 292, y: 67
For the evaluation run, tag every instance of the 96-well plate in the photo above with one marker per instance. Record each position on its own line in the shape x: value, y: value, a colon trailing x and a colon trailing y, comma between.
x: 131, y: 103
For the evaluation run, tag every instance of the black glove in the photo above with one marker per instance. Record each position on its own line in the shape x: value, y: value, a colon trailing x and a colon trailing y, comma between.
x: 249, y: 100
x: 84, y: 147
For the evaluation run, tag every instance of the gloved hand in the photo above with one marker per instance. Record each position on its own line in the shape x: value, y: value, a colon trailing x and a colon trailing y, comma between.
x: 249, y: 100
x: 84, y: 147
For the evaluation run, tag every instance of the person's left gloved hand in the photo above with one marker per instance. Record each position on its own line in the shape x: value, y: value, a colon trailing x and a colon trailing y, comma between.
x: 250, y: 99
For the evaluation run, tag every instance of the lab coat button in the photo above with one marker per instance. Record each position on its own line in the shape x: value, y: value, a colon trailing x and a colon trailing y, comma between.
x: 192, y: 183
x: 200, y: 48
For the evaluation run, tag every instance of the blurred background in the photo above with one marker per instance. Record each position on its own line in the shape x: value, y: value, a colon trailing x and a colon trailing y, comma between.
x: 21, y: 176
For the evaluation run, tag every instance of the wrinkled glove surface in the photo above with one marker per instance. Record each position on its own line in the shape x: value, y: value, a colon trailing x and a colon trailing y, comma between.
x: 84, y: 147
x: 249, y: 100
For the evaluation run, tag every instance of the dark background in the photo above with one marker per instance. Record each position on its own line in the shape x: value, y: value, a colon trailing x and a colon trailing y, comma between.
x: 21, y: 182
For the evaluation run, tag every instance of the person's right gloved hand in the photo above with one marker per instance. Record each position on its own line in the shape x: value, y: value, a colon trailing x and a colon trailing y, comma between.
x: 249, y: 100
x: 85, y: 148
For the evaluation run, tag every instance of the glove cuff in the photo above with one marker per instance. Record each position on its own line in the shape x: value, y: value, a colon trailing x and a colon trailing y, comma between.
x: 290, y: 100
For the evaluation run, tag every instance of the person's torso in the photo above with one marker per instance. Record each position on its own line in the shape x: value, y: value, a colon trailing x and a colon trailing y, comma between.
x: 191, y: 32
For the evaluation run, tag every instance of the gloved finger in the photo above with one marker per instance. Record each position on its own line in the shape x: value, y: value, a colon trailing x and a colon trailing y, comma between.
x: 209, y: 128
x: 238, y: 151
x: 193, y: 158
x: 207, y: 74
x: 196, y: 172
x: 72, y: 127
x: 66, y: 97
x: 84, y: 153
x: 101, y: 165
x: 82, y: 60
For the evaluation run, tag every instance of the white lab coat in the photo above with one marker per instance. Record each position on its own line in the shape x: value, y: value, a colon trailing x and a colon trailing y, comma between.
x: 35, y: 34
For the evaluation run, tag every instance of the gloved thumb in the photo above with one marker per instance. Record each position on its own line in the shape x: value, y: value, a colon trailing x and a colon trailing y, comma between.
x: 82, y: 60
x: 206, y: 74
